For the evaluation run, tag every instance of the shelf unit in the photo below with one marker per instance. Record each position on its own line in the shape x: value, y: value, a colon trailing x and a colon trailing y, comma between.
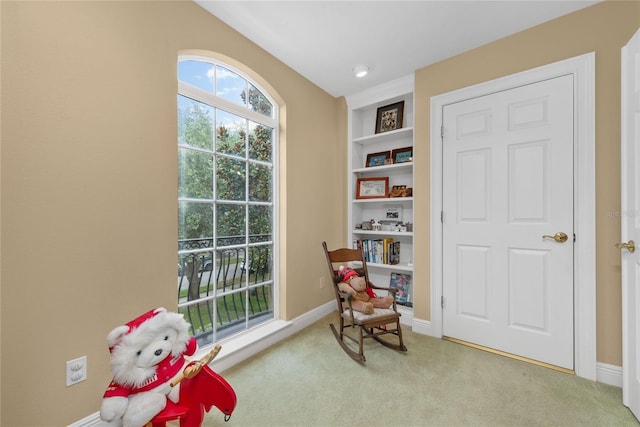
x: 363, y: 140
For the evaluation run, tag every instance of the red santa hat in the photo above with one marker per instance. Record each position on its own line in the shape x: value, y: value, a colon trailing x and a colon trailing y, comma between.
x: 118, y: 333
x: 347, y: 273
x: 144, y: 317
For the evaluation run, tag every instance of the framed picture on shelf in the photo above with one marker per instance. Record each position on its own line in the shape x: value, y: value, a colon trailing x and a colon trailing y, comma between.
x: 372, y: 188
x: 401, y: 282
x: 393, y: 213
x: 402, y: 155
x: 389, y: 117
x: 378, y: 159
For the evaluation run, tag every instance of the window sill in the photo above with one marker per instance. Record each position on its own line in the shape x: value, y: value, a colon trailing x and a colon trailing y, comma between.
x: 242, y: 346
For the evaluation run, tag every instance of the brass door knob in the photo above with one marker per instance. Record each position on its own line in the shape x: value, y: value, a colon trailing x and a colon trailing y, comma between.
x: 559, y: 237
x: 630, y: 246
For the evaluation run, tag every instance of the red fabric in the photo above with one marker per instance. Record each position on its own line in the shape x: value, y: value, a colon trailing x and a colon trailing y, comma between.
x: 198, y: 395
x: 165, y: 371
x: 348, y: 273
x: 143, y: 318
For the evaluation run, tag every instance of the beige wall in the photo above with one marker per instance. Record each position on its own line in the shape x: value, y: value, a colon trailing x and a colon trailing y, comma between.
x: 604, y: 29
x: 88, y: 185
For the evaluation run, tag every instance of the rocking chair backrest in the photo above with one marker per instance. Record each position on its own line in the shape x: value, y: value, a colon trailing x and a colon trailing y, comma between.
x: 345, y: 256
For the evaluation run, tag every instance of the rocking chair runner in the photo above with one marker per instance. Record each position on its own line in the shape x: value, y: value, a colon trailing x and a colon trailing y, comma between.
x: 373, y: 325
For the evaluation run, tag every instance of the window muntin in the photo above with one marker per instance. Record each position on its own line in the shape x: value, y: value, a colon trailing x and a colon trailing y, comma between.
x: 226, y: 200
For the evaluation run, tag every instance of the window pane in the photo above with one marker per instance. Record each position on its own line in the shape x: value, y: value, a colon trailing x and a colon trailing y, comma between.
x: 200, y: 316
x: 230, y: 273
x: 261, y: 300
x: 260, y: 183
x: 230, y: 86
x: 195, y: 174
x: 231, y: 133
x: 196, y: 272
x: 260, y: 262
x: 258, y: 102
x: 230, y: 179
x: 196, y: 73
x: 195, y: 220
x: 230, y: 221
x: 231, y: 314
x: 195, y: 123
x: 260, y: 220
x: 260, y: 142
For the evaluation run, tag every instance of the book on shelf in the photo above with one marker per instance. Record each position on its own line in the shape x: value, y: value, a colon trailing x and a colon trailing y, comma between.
x: 394, y: 255
x: 379, y: 251
x: 402, y: 282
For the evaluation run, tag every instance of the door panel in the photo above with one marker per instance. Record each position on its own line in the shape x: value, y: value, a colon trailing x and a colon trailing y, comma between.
x: 473, y: 282
x: 507, y: 182
x: 529, y: 289
x: 529, y: 178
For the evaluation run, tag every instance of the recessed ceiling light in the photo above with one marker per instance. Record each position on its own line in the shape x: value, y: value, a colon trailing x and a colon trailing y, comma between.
x: 361, y: 70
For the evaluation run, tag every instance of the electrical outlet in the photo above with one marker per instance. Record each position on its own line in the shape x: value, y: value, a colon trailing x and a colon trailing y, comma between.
x: 76, y: 370
x: 323, y: 282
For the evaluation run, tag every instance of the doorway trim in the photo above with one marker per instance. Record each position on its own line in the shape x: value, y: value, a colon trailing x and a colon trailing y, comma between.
x: 583, y: 70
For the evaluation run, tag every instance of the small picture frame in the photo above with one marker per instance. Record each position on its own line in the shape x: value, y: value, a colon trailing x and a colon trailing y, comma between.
x: 372, y: 188
x: 389, y: 117
x: 402, y: 155
x: 393, y: 213
x: 378, y: 159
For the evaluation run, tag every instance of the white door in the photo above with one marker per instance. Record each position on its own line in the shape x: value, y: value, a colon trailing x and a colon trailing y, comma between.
x: 630, y: 165
x: 507, y: 183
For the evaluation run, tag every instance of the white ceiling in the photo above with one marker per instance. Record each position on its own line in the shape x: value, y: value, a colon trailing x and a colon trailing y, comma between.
x: 324, y: 40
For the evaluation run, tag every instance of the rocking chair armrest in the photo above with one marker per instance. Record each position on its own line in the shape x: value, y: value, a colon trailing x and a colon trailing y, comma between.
x: 347, y: 299
x: 345, y: 295
x: 382, y: 288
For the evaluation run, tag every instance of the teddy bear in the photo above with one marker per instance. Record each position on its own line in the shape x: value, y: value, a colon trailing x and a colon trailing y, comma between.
x: 147, y: 354
x: 363, y: 299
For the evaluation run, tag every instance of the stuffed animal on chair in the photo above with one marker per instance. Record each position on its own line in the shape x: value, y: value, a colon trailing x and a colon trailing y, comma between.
x: 363, y: 299
x: 147, y: 354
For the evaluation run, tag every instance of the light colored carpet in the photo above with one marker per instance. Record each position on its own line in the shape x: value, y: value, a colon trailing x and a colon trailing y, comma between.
x: 307, y: 380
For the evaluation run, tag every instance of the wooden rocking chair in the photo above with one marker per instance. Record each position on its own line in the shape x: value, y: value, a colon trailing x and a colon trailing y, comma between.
x: 374, y: 325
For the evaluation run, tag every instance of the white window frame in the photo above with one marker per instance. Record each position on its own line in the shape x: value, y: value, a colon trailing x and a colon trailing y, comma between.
x: 197, y: 94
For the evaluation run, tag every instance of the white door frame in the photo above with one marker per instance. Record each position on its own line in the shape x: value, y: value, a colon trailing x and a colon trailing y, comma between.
x: 583, y: 69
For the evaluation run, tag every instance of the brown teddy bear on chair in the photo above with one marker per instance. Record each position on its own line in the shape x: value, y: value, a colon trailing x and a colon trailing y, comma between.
x: 363, y: 299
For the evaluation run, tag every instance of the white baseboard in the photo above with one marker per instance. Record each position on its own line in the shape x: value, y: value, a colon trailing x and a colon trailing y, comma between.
x: 92, y: 420
x: 421, y: 326
x: 609, y: 374
x: 243, y: 346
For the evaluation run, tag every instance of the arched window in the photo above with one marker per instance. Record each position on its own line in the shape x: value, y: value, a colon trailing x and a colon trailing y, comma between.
x: 227, y: 140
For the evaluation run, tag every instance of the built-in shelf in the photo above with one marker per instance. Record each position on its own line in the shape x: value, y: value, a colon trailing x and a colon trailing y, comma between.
x: 398, y: 267
x: 383, y: 233
x: 382, y: 138
x: 363, y: 114
x: 385, y: 168
x: 385, y: 200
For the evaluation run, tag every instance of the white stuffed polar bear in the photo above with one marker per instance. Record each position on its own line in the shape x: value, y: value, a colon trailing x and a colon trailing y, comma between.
x: 146, y: 355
